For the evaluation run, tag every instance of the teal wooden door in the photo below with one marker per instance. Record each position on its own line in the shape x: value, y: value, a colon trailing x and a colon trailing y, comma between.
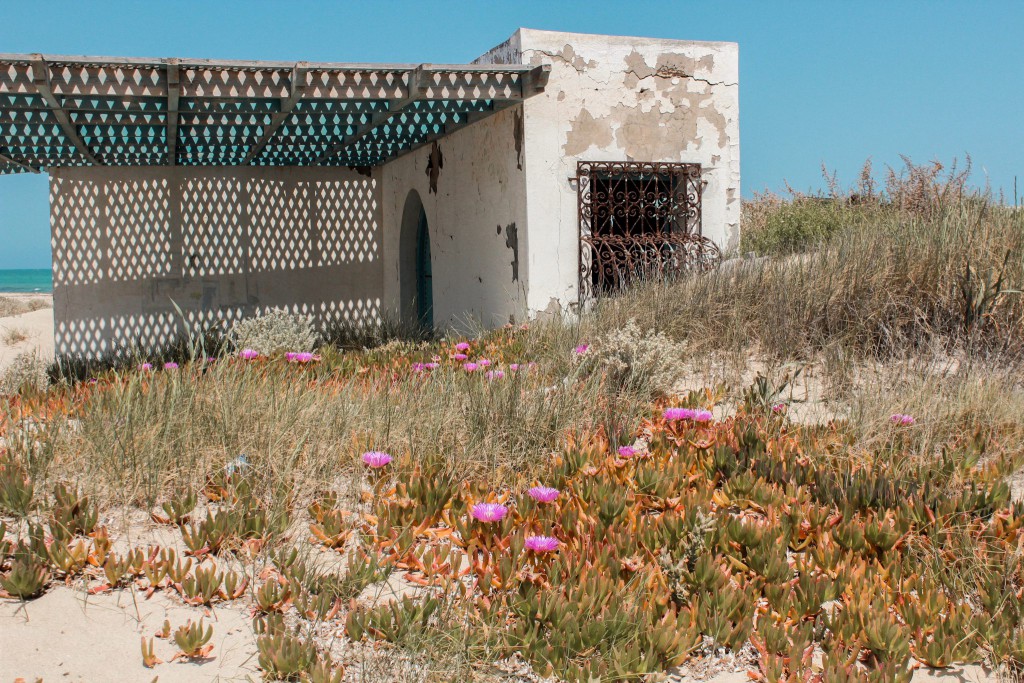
x: 424, y: 279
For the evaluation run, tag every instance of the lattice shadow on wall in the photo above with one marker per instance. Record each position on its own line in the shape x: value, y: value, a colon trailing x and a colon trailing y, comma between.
x: 219, y: 245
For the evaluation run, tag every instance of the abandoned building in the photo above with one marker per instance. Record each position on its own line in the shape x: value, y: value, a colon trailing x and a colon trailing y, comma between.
x: 552, y: 169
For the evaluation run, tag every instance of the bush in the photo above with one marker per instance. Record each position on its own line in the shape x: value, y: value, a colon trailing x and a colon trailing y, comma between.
x: 639, y: 362
x: 792, y: 226
x: 274, y: 332
x: 27, y: 372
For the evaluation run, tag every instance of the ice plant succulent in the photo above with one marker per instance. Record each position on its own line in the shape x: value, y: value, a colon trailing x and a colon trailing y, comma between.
x: 299, y: 357
x: 901, y: 419
x: 543, y: 494
x: 170, y: 366
x: 470, y: 367
x: 489, y: 512
x: 626, y: 451
x: 248, y: 354
x: 462, y: 346
x: 146, y: 367
x: 376, y: 459
x: 581, y: 349
x: 460, y: 356
x: 542, y: 544
x: 495, y: 374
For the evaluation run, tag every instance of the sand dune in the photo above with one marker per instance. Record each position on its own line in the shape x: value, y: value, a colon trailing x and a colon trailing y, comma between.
x: 32, y: 331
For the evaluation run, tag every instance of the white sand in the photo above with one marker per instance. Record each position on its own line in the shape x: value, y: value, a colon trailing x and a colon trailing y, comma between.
x: 37, y: 327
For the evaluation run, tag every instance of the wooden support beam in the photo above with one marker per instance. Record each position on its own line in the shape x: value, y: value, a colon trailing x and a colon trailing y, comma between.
x: 41, y: 80
x: 173, y: 93
x: 298, y: 89
x: 534, y: 80
x: 8, y: 160
x: 416, y: 87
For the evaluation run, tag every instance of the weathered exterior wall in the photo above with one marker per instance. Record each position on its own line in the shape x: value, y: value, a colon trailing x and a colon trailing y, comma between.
x: 620, y: 99
x: 221, y: 243
x: 475, y: 218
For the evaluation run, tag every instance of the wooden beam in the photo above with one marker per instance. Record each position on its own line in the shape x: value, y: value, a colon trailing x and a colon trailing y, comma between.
x: 298, y: 89
x: 173, y: 93
x: 41, y: 79
x: 535, y: 80
x: 417, y: 86
x: 8, y: 160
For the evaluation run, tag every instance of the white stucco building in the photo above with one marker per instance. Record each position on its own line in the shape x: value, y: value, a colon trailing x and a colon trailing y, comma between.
x: 553, y: 167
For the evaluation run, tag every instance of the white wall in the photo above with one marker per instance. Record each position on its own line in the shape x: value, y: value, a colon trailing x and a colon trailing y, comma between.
x: 221, y: 243
x: 615, y: 98
x: 481, y: 196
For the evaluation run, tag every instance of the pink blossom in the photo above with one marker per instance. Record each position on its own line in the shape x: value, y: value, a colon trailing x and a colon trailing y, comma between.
x: 470, y: 367
x: 431, y: 366
x: 695, y: 415
x: 248, y: 354
x: 460, y: 356
x: 418, y: 367
x: 435, y: 358
x: 542, y: 544
x: 170, y: 366
x: 513, y: 367
x: 483, y: 362
x: 495, y: 374
x: 489, y: 512
x: 778, y: 407
x: 376, y: 459
x: 542, y: 494
x: 581, y: 349
x: 299, y: 357
x: 146, y: 367
x: 901, y: 419
x: 462, y: 346
x: 626, y: 451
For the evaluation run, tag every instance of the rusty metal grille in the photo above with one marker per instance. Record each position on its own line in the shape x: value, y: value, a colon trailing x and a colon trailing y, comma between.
x: 638, y: 221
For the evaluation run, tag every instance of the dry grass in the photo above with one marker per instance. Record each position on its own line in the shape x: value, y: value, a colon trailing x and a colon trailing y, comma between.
x: 13, y: 335
x: 10, y: 305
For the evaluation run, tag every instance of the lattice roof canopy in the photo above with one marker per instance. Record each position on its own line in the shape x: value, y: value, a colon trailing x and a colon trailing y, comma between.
x: 97, y: 111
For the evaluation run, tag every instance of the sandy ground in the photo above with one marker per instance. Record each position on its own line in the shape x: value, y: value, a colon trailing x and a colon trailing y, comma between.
x: 37, y: 327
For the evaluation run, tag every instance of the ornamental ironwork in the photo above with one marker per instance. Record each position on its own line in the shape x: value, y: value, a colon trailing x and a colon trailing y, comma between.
x: 639, y: 220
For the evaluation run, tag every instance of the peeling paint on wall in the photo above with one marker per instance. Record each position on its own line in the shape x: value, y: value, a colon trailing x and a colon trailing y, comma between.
x: 586, y: 131
x: 517, y: 135
x: 435, y: 162
x: 512, y: 242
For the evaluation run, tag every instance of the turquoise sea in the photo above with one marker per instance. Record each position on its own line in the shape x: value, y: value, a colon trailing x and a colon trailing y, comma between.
x: 38, y: 280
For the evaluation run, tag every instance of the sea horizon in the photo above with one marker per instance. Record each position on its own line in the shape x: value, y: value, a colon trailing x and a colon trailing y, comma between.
x: 26, y: 281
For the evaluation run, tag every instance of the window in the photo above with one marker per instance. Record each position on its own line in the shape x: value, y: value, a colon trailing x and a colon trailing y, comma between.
x: 638, y: 220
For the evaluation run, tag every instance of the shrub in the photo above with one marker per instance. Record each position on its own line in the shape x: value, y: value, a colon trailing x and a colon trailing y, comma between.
x: 27, y: 372
x: 274, y: 332
x: 792, y: 226
x: 639, y: 362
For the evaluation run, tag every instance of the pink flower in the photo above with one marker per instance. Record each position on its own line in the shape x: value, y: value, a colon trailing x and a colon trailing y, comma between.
x: 778, y: 407
x: 489, y: 512
x: 146, y: 367
x: 543, y: 494
x: 248, y: 354
x: 470, y: 367
x: 901, y: 419
x: 460, y: 356
x: 376, y: 459
x: 431, y: 366
x: 542, y: 544
x: 483, y: 362
x: 435, y: 358
x: 209, y: 359
x: 627, y: 451
x: 495, y: 374
x: 170, y: 366
x: 513, y: 367
x: 695, y: 415
x: 299, y: 357
x: 418, y: 367
x: 462, y: 346
x: 581, y: 349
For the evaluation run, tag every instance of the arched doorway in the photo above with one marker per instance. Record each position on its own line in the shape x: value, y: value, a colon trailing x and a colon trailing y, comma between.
x: 415, y: 270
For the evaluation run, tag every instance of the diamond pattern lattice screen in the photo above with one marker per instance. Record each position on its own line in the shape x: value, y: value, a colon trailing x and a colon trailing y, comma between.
x: 218, y: 245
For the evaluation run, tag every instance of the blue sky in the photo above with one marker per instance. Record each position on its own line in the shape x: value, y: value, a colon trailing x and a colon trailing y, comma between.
x: 820, y: 82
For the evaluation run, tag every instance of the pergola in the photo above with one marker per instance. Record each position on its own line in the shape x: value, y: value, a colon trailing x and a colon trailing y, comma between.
x: 96, y: 111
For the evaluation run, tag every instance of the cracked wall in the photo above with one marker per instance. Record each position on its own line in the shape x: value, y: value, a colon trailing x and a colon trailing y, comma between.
x: 613, y: 98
